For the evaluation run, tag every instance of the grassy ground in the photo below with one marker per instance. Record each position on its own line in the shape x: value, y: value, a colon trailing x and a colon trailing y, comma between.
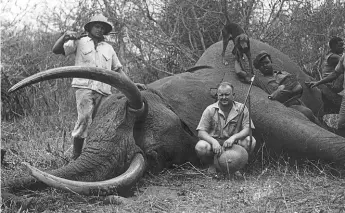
x: 267, y: 185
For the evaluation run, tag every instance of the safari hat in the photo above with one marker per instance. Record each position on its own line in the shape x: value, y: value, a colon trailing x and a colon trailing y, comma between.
x: 259, y: 57
x: 102, y: 19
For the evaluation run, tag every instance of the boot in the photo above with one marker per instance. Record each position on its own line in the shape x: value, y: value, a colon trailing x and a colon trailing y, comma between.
x: 77, y: 147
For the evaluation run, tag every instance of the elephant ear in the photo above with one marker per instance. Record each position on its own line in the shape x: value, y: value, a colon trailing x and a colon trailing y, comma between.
x: 190, y: 93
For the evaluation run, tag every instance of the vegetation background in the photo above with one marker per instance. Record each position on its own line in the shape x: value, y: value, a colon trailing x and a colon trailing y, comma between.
x: 155, y: 39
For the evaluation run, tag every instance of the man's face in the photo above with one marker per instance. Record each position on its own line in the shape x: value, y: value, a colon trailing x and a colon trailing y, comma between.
x: 266, y: 67
x: 97, y: 30
x: 339, y: 47
x: 225, y: 95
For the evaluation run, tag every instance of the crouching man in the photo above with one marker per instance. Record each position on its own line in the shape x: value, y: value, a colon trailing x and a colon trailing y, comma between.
x: 217, y: 127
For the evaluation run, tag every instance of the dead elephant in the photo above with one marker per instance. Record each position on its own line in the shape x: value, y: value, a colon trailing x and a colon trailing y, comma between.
x: 155, y: 128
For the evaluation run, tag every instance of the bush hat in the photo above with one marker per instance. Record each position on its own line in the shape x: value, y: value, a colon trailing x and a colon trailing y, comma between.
x: 259, y: 57
x: 102, y: 19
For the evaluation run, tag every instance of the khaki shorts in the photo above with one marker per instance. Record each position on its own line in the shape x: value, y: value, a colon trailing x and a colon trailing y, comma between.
x: 88, y: 102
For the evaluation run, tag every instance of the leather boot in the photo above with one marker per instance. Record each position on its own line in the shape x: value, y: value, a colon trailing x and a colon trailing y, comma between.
x: 77, y: 147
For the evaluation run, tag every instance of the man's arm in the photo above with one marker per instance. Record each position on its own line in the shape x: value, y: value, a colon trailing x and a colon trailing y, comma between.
x: 241, y: 134
x: 58, y: 46
x: 339, y: 69
x: 117, y: 67
x: 331, y: 77
x: 242, y: 75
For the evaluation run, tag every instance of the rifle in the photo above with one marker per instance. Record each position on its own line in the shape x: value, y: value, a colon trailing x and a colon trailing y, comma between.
x: 239, y: 121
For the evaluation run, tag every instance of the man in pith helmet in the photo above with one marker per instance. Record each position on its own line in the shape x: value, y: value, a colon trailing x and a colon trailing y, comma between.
x: 90, y: 50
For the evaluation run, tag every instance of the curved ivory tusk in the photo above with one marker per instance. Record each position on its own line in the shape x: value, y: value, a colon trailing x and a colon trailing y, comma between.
x: 115, y: 79
x: 107, y: 187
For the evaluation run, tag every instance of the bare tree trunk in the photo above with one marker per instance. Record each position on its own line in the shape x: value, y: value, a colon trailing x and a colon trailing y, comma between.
x: 198, y: 28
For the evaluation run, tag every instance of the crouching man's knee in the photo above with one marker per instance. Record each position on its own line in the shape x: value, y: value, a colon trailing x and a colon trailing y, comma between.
x: 203, y: 148
x: 245, y: 143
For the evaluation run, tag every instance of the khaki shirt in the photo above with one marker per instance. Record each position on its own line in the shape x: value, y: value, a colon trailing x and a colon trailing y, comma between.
x: 340, y: 68
x: 87, y: 55
x: 213, y: 120
x: 271, y: 83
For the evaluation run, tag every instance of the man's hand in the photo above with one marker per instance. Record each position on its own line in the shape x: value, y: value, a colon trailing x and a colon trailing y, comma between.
x: 141, y: 86
x: 229, y: 142
x: 70, y: 35
x: 312, y: 84
x: 217, y: 149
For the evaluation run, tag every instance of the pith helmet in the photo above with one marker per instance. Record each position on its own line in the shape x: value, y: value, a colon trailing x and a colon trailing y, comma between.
x: 102, y: 19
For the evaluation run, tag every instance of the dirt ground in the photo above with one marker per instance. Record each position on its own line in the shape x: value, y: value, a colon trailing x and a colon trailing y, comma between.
x: 261, y: 188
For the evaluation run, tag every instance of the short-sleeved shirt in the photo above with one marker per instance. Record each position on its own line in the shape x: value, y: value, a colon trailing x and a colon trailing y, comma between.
x: 213, y: 120
x: 340, y: 68
x: 271, y: 83
x: 87, y: 55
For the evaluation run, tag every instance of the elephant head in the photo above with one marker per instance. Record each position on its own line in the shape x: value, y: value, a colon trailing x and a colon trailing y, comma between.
x: 129, y: 132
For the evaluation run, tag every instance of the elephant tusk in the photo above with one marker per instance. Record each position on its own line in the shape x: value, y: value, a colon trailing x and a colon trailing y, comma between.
x: 115, y: 79
x: 107, y: 187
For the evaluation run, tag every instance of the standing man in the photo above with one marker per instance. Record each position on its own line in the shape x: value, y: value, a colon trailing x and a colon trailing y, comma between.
x: 336, y: 45
x: 339, y: 70
x: 217, y: 126
x: 90, y: 51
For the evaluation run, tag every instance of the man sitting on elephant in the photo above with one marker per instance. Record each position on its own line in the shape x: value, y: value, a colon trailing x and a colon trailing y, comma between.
x: 280, y: 85
x: 217, y: 126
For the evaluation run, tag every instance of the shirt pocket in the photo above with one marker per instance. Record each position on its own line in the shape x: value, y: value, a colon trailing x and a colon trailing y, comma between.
x: 231, y: 126
x: 106, y: 60
x: 87, y: 55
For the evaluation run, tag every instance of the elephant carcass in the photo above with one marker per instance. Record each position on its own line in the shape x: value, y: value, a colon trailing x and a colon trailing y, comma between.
x: 282, y: 129
x: 165, y: 131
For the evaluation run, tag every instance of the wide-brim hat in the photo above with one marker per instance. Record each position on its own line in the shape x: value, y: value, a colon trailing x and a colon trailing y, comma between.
x: 102, y: 19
